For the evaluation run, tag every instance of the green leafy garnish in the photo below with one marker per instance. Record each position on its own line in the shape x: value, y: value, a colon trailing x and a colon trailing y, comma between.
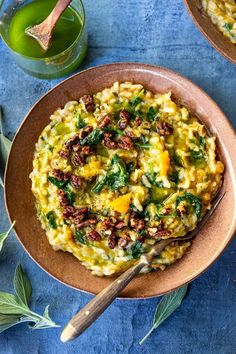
x: 130, y: 167
x: 69, y: 193
x: 116, y: 177
x: 65, y: 186
x: 14, y: 309
x: 136, y: 250
x: 4, y: 235
x: 143, y: 146
x: 196, y: 156
x: 228, y: 26
x: 202, y: 141
x: 81, y: 237
x: 135, y: 101
x: 80, y: 123
x: 176, y: 158
x: 100, y: 184
x: 168, y: 304
x: 152, y: 114
x: 57, y: 183
x: 142, y: 142
x: 94, y: 138
x: 174, y: 177
x: 194, y: 201
x: 51, y: 219
x: 5, y: 145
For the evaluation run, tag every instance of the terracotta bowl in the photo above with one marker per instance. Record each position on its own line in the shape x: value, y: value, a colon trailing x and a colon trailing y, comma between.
x: 205, y: 249
x: 221, y: 43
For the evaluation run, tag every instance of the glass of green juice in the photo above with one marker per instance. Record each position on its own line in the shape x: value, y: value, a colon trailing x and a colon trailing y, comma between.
x: 69, y: 41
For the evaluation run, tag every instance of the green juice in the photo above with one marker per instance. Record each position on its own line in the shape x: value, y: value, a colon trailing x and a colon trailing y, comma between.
x: 65, y: 33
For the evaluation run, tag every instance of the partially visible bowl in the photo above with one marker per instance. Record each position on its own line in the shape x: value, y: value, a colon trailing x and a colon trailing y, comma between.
x: 208, y: 245
x: 221, y: 43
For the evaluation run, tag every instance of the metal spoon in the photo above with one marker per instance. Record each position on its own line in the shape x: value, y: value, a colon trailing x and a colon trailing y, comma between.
x: 43, y: 32
x: 85, y: 317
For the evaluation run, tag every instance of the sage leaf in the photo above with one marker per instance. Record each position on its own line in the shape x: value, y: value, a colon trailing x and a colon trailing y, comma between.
x: 4, y: 235
x: 5, y: 145
x: 9, y: 304
x: 168, y: 304
x: 14, y: 307
x: 22, y: 285
x: 7, y: 321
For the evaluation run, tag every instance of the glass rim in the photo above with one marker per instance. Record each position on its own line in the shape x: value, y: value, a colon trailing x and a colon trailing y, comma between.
x: 54, y: 56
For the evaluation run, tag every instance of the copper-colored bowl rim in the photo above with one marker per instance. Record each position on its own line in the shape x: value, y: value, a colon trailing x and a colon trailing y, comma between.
x: 142, y: 67
x: 209, y: 37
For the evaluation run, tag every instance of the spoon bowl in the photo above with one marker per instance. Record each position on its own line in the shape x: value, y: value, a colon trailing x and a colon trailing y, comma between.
x: 43, y: 32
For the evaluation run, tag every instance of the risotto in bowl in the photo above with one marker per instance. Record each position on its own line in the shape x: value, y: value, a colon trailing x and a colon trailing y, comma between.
x: 117, y: 171
x: 120, y: 157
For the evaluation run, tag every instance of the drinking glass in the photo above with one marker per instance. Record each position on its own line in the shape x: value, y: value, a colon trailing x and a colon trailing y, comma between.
x: 54, y: 66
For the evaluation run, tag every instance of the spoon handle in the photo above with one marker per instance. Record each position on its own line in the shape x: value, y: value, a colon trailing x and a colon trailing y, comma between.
x: 57, y: 11
x: 85, y: 317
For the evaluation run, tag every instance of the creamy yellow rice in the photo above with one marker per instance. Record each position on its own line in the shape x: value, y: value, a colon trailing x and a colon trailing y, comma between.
x: 223, y: 15
x: 171, y: 178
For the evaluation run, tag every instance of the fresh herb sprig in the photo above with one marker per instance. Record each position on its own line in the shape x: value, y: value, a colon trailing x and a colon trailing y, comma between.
x: 168, y: 304
x: 14, y: 308
x: 5, y: 145
x: 4, y: 235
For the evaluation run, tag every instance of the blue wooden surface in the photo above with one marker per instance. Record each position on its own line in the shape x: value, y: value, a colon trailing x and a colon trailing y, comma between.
x: 158, y: 32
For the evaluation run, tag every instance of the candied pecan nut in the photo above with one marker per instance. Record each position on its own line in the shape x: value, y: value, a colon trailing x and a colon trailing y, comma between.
x: 60, y: 175
x: 125, y: 143
x: 64, y: 201
x: 76, y: 147
x: 138, y: 121
x: 104, y: 122
x: 94, y: 236
x: 76, y: 181
x: 83, y: 210
x: 129, y: 133
x: 124, y: 115
x: 160, y: 233
x: 164, y: 128
x: 108, y: 135
x: 108, y: 142
x: 72, y: 141
x: 124, y: 240
x: 64, y: 153
x: 112, y: 241
x: 85, y: 131
x: 109, y: 223
x: 86, y: 150
x: 88, y: 103
x: 124, y: 119
x: 68, y: 211
x: 120, y: 225
x: 77, y: 219
x: 136, y: 223
x: 85, y: 223
x: 78, y: 160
